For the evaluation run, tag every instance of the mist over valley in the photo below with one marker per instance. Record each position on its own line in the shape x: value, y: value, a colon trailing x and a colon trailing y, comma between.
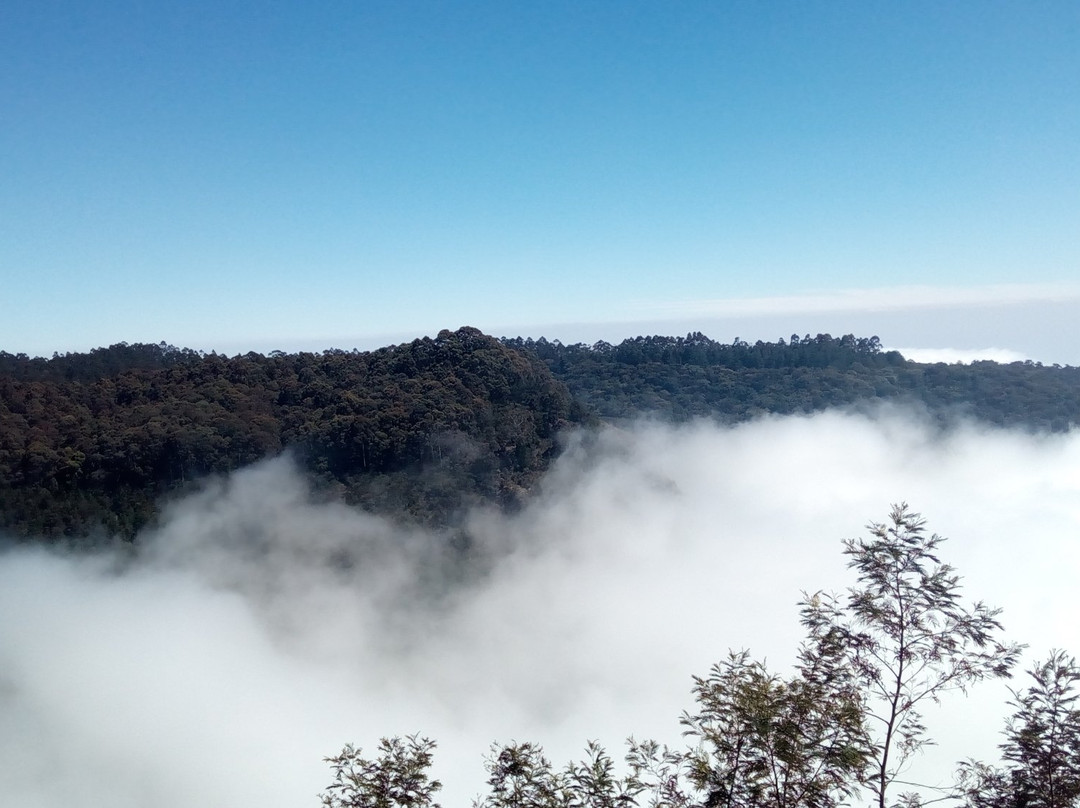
x: 256, y: 621
x: 763, y: 300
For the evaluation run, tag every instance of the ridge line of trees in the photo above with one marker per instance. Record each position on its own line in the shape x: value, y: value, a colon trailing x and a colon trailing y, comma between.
x: 681, y: 378
x: 90, y: 443
x: 419, y: 431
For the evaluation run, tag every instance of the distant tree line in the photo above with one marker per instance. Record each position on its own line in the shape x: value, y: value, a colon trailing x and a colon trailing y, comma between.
x: 695, y: 348
x: 90, y: 443
x: 98, y: 363
x: 680, y: 378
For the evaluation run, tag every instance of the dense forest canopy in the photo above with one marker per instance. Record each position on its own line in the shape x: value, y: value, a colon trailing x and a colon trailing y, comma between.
x: 420, y: 430
x: 689, y: 377
x: 91, y: 442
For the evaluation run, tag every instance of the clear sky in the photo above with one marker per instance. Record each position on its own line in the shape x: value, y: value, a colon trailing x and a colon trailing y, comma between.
x: 283, y: 174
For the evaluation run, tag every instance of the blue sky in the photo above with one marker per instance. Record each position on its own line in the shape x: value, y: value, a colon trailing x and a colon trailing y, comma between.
x: 281, y: 175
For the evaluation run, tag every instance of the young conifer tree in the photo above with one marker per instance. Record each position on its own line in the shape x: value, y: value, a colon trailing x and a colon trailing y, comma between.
x: 1041, y: 748
x: 909, y: 638
x: 848, y: 718
x: 396, y: 778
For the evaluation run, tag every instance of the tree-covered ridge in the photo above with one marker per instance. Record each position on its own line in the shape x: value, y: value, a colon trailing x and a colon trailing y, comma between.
x: 697, y: 349
x: 691, y: 377
x: 91, y: 442
x: 419, y: 430
x: 98, y: 363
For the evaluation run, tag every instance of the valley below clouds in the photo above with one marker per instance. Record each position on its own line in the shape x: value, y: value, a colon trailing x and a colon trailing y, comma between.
x: 259, y: 628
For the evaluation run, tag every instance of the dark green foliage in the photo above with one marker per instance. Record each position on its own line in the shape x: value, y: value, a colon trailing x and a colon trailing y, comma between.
x: 519, y: 776
x: 397, y: 778
x: 660, y: 775
x: 908, y: 637
x: 679, y: 378
x: 1041, y: 749
x: 769, y: 741
x: 419, y: 431
x: 90, y: 443
x: 97, y: 364
x: 847, y: 719
x: 593, y: 783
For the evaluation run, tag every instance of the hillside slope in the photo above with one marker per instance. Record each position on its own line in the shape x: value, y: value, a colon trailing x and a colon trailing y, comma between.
x: 89, y: 444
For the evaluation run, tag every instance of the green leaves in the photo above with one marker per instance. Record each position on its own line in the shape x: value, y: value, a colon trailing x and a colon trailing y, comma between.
x: 593, y: 782
x: 909, y: 637
x: 846, y: 718
x: 764, y: 740
x: 1041, y: 747
x: 396, y: 778
x: 521, y: 777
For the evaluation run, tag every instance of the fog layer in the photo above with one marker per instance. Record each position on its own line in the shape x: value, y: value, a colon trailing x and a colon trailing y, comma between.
x: 261, y: 628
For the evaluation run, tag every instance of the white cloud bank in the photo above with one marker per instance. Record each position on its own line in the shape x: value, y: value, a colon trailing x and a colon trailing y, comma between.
x: 896, y: 298
x: 1006, y: 320
x: 952, y: 356
x: 263, y: 629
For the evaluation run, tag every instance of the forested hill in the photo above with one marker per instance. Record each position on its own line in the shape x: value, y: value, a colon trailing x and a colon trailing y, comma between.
x: 680, y: 378
x: 90, y: 443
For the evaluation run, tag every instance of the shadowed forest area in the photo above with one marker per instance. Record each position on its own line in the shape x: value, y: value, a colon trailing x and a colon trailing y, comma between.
x: 90, y: 443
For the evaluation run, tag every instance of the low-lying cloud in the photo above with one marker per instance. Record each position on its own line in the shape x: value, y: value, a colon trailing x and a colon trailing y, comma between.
x: 953, y: 356
x: 897, y: 298
x: 263, y: 628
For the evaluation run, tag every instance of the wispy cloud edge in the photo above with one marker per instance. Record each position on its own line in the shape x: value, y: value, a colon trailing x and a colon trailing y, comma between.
x: 896, y: 298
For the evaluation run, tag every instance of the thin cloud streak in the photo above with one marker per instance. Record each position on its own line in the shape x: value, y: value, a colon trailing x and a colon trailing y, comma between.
x: 263, y: 628
x: 951, y: 356
x: 897, y: 298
